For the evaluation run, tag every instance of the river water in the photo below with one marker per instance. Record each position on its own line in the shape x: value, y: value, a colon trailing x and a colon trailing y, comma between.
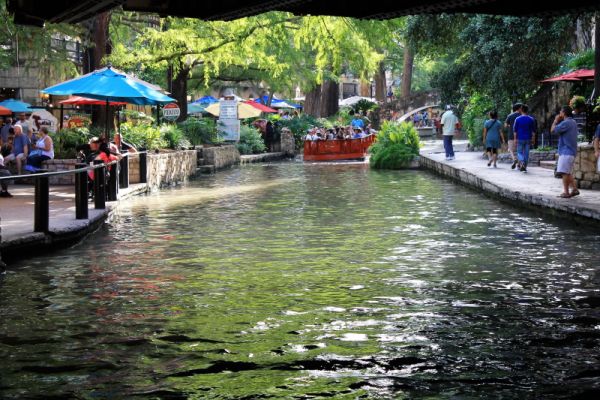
x: 309, y: 281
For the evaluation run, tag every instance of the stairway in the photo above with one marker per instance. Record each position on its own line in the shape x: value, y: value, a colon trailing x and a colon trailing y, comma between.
x: 201, y: 166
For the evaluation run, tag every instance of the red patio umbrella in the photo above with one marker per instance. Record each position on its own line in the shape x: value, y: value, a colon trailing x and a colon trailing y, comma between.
x: 261, y: 107
x: 78, y: 100
x: 5, y: 111
x: 574, y: 76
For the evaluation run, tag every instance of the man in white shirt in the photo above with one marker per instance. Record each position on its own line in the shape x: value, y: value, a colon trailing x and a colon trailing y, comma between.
x: 449, y: 124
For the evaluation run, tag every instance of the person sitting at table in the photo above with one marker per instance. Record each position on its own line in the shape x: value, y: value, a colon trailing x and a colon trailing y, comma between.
x: 43, y: 150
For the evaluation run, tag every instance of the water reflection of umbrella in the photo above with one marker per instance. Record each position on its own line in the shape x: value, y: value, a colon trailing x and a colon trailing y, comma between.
x: 244, y: 110
x: 16, y: 106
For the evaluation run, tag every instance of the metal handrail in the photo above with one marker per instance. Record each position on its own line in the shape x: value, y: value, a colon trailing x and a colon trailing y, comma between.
x: 102, y: 189
x: 67, y: 172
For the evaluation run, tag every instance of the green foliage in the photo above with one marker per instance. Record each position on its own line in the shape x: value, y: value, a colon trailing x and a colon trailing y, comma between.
x: 343, y: 117
x: 582, y: 60
x: 396, y: 146
x: 474, y: 116
x: 137, y: 117
x: 497, y: 56
x: 363, y: 106
x: 251, y: 141
x: 66, y: 140
x: 298, y: 126
x: 200, y: 131
x: 174, y: 137
x: 143, y: 136
x: 577, y: 102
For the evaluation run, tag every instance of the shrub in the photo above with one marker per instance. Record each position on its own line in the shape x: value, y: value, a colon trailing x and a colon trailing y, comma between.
x: 200, y: 131
x: 174, y: 136
x: 67, y: 139
x: 298, y: 126
x: 251, y: 141
x: 577, y: 103
x: 363, y: 106
x: 474, y: 117
x: 143, y: 135
x: 396, y: 146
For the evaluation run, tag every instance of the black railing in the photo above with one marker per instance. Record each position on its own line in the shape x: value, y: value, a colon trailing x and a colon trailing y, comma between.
x: 103, y: 189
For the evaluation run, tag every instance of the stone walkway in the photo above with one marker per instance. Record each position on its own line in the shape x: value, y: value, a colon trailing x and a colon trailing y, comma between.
x: 538, y: 188
x: 16, y: 213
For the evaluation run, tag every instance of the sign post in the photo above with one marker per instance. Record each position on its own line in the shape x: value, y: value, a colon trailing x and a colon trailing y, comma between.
x: 171, y: 112
x: 228, y: 124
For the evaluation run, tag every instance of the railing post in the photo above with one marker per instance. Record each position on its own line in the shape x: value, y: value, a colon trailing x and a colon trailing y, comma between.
x: 81, y: 193
x: 113, y: 182
x: 42, y: 205
x: 143, y: 168
x: 99, y: 186
x: 124, y: 172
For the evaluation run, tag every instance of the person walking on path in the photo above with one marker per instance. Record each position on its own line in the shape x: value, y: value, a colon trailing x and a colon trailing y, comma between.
x: 492, y: 137
x: 525, y: 136
x: 449, y: 124
x: 566, y: 127
x: 510, y: 140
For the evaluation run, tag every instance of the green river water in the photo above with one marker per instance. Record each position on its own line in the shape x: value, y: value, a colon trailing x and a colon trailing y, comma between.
x: 299, y: 281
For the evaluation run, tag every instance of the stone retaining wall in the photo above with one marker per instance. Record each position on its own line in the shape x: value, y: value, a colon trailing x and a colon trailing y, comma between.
x: 221, y: 156
x: 585, y: 171
x: 166, y: 169
x: 534, y: 201
x: 61, y: 165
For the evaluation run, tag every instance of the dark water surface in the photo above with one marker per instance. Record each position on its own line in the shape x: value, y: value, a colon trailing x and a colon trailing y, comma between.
x: 309, y: 281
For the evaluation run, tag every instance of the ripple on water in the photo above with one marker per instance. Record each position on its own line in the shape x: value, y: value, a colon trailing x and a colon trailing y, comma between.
x: 309, y: 281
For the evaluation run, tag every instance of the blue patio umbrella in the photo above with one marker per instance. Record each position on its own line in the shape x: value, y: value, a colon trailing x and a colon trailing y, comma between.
x: 195, y: 108
x: 111, y: 85
x: 206, y: 100
x: 265, y: 99
x: 16, y: 106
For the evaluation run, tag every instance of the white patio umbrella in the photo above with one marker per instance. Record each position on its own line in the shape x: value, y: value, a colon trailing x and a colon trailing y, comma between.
x: 350, y: 101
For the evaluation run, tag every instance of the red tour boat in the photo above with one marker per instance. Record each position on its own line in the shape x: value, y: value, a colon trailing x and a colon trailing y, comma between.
x: 344, y: 149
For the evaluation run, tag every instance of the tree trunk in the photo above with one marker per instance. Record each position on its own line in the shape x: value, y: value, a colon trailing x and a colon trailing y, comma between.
x: 407, y: 71
x: 330, y: 94
x: 179, y: 91
x: 312, y: 102
x: 380, y: 83
x: 102, y: 48
x: 597, y: 56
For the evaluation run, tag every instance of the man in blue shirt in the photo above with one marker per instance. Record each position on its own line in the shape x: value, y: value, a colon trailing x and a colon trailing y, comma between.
x: 357, y: 122
x: 509, y: 124
x: 524, y: 129
x: 20, y: 149
x: 566, y: 127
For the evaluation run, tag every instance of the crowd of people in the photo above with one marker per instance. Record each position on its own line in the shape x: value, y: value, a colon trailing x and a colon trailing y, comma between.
x: 27, y: 146
x: 521, y: 129
x: 24, y: 144
x: 356, y: 130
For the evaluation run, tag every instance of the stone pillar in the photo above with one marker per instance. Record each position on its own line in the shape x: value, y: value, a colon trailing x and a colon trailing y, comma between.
x: 584, y: 170
x: 287, y: 143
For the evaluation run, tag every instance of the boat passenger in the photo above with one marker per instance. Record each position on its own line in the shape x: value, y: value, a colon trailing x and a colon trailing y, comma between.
x: 358, y: 134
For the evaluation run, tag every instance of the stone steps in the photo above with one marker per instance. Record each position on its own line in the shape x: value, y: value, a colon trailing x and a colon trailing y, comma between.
x: 200, y: 162
x: 548, y: 164
x: 206, y: 169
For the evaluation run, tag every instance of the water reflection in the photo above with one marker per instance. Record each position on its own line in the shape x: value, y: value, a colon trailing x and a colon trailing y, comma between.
x: 309, y: 281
